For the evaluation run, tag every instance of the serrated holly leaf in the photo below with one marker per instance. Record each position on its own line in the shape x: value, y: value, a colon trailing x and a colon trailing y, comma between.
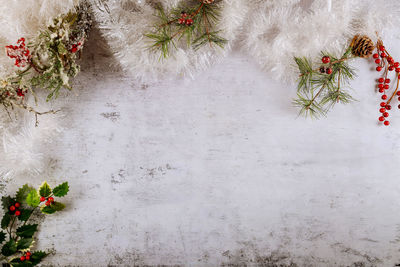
x: 24, y: 243
x: 18, y: 263
x: 9, y: 248
x: 44, y: 190
x: 25, y: 214
x: 33, y: 199
x: 7, y: 202
x: 55, y: 206
x: 27, y: 230
x: 61, y: 190
x: 37, y: 257
x: 23, y: 192
x: 5, y: 221
x: 2, y: 237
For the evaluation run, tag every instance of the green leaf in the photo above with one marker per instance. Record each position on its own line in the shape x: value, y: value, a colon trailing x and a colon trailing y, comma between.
x: 7, y: 202
x: 2, y: 237
x: 45, y: 190
x: 23, y: 192
x: 33, y: 199
x: 5, y: 221
x: 25, y: 214
x: 27, y: 230
x: 24, y: 243
x: 37, y: 257
x: 18, y: 263
x: 54, y: 207
x: 61, y: 190
x: 9, y: 248
x: 61, y: 49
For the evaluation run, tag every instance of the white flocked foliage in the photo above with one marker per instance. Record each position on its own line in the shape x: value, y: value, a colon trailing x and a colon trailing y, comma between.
x: 124, y: 23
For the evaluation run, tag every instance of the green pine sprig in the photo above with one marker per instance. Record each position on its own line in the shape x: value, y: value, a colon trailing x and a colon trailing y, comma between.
x: 17, y: 234
x: 319, y: 90
x: 169, y: 31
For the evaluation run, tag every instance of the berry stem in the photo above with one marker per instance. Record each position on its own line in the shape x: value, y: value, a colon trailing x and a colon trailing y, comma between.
x: 395, y: 91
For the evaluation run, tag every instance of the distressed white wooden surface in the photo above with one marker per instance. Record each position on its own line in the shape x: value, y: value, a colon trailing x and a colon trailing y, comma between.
x: 220, y: 171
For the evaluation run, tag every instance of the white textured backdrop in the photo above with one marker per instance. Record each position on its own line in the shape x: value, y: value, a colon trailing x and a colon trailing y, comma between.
x: 220, y: 171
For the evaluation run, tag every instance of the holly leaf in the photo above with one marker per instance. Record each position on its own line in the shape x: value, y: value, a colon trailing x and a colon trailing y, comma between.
x: 33, y: 199
x: 9, y: 248
x: 24, y: 243
x: 7, y: 202
x: 18, y: 263
x: 5, y: 221
x: 37, y: 257
x: 54, y: 207
x: 25, y: 214
x: 27, y: 230
x: 23, y: 192
x: 2, y: 237
x: 61, y: 190
x: 44, y: 190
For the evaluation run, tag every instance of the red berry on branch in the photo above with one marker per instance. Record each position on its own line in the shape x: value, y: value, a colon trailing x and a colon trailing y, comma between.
x: 22, y: 258
x: 390, y: 60
x: 42, y: 199
x: 396, y: 64
x: 398, y: 93
x: 381, y: 80
x: 183, y: 14
x: 375, y: 55
x: 379, y: 68
x: 398, y: 106
x: 382, y: 48
x: 380, y: 86
x: 326, y: 59
x: 28, y: 257
x: 47, y: 203
x: 181, y: 21
x: 383, y: 55
x: 383, y: 104
x: 51, y: 199
x: 382, y: 118
x: 397, y: 70
x: 328, y: 71
x: 386, y: 123
x: 387, y: 81
x: 189, y: 22
x: 12, y: 208
x: 391, y: 68
x: 385, y: 114
x: 398, y: 98
x: 74, y: 49
x: 384, y: 97
x: 381, y: 90
x: 17, y: 213
x: 17, y: 205
x: 377, y: 61
x: 381, y: 110
x: 388, y: 107
x: 386, y: 86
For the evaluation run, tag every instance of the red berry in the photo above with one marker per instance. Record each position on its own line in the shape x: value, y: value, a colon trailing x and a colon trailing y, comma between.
x: 51, y: 199
x: 22, y: 258
x: 328, y: 71
x: 326, y: 59
x: 387, y: 81
x: 42, y: 199
x: 390, y: 60
x: 398, y: 93
x: 183, y: 14
x: 397, y: 70
x: 385, y: 114
x: 383, y: 55
x: 386, y: 123
x: 181, y: 21
x: 398, y: 106
x: 380, y: 86
x: 28, y: 253
x: 28, y: 257
x: 386, y: 86
x: 382, y: 118
x: 384, y: 97
x: 388, y: 107
x: 379, y: 68
x: 396, y: 64
x: 47, y: 203
x: 382, y: 48
x: 375, y: 55
x: 377, y: 61
x: 12, y: 208
x: 381, y: 90
x: 17, y: 205
x: 383, y: 104
x: 391, y: 68
x: 189, y: 22
x: 74, y: 49
x: 17, y: 213
x: 398, y: 98
x: 381, y: 80
x: 381, y: 110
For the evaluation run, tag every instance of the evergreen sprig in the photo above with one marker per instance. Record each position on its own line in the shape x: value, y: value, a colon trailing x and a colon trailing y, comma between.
x: 17, y: 235
x: 320, y: 89
x: 191, y: 22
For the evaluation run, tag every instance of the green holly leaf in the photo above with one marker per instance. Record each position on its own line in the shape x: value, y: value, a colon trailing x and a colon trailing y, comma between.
x: 44, y: 190
x: 61, y: 190
x: 25, y: 214
x: 2, y: 237
x: 18, y: 263
x: 55, y: 206
x: 7, y: 202
x: 23, y: 192
x: 5, y: 221
x: 27, y: 230
x: 33, y: 199
x: 24, y: 243
x: 9, y: 248
x: 37, y: 257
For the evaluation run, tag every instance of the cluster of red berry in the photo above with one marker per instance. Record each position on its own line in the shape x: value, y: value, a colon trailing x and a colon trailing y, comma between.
x: 48, y: 202
x: 75, y: 47
x: 324, y: 69
x: 14, y: 209
x: 185, y: 19
x: 386, y: 62
x: 19, y: 52
x: 26, y: 256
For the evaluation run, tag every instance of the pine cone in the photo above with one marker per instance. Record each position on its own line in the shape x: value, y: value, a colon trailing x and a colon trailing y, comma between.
x: 362, y: 46
x: 207, y: 1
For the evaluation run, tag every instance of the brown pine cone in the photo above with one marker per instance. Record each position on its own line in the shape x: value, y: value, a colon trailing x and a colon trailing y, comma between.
x: 362, y: 46
x: 207, y: 1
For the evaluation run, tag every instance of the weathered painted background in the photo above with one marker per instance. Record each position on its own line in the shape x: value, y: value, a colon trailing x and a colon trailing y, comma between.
x: 219, y: 171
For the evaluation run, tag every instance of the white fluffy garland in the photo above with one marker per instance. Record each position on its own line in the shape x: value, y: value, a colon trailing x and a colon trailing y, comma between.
x: 124, y: 23
x: 20, y: 141
x: 278, y: 30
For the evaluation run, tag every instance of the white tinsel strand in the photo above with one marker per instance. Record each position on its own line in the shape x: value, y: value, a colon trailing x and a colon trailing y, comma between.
x: 124, y: 23
x: 278, y: 30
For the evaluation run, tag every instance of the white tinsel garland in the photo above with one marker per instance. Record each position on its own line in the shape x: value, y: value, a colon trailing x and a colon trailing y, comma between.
x: 124, y: 23
x: 278, y: 30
